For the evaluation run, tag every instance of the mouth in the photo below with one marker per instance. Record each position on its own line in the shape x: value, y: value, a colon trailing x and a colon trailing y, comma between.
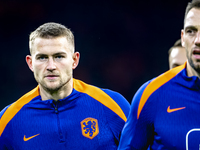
x: 196, y: 53
x: 51, y: 77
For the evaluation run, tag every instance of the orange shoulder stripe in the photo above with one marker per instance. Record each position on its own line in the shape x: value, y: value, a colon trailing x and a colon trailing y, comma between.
x: 156, y: 83
x: 100, y: 96
x: 15, y: 108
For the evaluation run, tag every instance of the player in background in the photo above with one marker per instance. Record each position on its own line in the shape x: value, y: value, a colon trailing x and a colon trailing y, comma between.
x: 165, y: 110
x: 177, y: 55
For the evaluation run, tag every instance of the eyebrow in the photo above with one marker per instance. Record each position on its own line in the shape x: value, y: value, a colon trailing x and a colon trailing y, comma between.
x: 190, y: 27
x: 59, y: 53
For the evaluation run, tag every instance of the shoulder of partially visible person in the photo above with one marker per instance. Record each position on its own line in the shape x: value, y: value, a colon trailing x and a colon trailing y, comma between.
x: 151, y: 91
x: 138, y: 131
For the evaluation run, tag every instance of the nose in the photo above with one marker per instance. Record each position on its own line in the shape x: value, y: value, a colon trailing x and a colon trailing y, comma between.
x: 51, y: 65
x: 197, y: 39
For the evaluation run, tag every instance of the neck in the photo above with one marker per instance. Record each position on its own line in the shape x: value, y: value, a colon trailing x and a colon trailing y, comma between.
x: 191, y: 72
x: 58, y: 94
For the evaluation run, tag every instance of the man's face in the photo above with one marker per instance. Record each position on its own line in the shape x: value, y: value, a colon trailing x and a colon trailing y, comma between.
x: 52, y: 62
x: 177, y: 57
x: 190, y: 36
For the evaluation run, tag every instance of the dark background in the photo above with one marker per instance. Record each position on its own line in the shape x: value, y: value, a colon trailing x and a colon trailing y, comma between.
x: 123, y: 43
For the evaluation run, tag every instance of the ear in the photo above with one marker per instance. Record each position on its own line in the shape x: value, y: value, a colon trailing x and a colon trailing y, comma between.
x: 29, y: 62
x: 76, y: 57
x: 182, y: 38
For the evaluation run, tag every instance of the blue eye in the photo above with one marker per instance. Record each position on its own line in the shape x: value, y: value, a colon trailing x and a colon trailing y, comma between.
x: 59, y: 57
x: 42, y: 58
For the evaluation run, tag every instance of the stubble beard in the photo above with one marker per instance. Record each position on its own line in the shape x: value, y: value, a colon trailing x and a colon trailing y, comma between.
x: 53, y: 88
x: 196, y: 67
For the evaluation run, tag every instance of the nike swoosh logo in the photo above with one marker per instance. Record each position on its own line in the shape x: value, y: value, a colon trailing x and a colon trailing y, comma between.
x: 169, y: 110
x: 26, y: 139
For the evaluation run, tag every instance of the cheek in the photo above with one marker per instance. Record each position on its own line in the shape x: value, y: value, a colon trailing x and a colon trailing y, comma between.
x: 66, y: 69
x: 67, y: 65
x: 187, y: 44
x: 37, y: 68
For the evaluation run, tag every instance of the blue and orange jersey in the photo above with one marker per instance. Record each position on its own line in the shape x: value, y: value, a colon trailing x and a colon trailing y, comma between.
x: 89, y: 118
x: 164, y: 113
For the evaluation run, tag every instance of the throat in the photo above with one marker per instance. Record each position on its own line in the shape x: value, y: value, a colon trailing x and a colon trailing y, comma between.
x: 61, y: 93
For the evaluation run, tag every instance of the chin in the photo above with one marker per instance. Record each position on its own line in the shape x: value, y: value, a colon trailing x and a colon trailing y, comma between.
x: 196, y: 66
x: 51, y: 87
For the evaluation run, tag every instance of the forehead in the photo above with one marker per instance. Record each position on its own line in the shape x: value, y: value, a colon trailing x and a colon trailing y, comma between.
x: 193, y: 18
x: 51, y: 45
x: 40, y: 42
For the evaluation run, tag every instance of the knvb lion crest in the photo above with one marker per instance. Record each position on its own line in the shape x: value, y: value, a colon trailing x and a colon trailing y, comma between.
x: 89, y: 127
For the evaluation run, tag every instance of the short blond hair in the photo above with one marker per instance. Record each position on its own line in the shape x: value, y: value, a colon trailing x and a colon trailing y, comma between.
x: 52, y: 30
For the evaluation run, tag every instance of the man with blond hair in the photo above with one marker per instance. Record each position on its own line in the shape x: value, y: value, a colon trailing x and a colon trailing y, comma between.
x: 61, y: 112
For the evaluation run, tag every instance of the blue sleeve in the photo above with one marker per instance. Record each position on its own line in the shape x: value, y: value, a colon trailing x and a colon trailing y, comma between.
x: 115, y: 122
x: 134, y: 134
x: 120, y: 100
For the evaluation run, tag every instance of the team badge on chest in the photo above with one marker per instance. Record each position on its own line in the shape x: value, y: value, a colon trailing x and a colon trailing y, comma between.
x: 89, y: 127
